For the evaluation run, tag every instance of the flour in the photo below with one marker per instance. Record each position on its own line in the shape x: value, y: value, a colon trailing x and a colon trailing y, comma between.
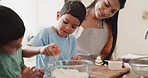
x: 69, y: 73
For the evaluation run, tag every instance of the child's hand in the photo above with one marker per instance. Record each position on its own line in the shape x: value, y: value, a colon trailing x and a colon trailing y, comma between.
x: 32, y: 73
x: 75, y: 62
x: 38, y: 73
x: 50, y: 50
x: 28, y: 72
x: 76, y: 58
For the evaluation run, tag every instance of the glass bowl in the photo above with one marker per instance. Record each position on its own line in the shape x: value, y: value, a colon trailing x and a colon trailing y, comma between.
x: 71, y: 68
x: 140, y: 66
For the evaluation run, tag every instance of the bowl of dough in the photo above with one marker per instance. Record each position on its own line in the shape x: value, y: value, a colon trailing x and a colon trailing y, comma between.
x: 140, y: 66
x: 71, y: 68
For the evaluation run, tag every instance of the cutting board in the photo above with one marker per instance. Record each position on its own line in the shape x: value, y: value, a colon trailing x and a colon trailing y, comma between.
x: 104, y: 72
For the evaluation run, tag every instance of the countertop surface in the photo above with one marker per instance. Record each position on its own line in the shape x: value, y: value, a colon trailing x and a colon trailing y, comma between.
x: 104, y: 72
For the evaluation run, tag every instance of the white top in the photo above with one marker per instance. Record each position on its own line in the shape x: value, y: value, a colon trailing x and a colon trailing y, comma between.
x: 91, y: 40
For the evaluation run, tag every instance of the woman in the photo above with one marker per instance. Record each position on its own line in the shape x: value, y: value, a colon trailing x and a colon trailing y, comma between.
x: 98, y: 32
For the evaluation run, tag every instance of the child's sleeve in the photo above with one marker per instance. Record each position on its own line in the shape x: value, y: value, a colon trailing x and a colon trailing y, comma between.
x: 22, y: 62
x: 38, y: 39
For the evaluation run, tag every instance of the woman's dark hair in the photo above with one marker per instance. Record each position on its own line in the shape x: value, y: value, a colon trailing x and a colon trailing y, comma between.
x: 113, y: 23
x: 92, y: 5
x: 12, y: 26
x: 75, y: 8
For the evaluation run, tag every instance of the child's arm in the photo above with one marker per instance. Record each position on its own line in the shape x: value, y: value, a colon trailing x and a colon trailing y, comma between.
x: 48, y: 50
x: 29, y: 51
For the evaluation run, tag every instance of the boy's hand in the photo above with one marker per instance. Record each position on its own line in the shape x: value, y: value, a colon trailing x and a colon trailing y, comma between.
x: 38, y: 73
x: 28, y: 72
x: 50, y: 50
x: 76, y: 58
x: 32, y: 73
x: 75, y: 62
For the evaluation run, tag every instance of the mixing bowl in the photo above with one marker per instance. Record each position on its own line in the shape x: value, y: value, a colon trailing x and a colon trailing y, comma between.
x: 71, y: 68
x: 140, y: 66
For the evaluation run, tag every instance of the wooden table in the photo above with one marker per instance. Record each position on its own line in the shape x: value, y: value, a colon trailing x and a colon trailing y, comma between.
x: 131, y: 74
x: 104, y: 72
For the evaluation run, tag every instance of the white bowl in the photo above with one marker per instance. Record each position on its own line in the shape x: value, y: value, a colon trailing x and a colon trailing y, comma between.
x: 140, y: 66
x: 114, y: 65
x: 71, y: 68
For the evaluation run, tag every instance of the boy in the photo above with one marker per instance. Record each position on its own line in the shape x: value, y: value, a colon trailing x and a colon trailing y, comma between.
x: 57, y: 41
x: 11, y: 35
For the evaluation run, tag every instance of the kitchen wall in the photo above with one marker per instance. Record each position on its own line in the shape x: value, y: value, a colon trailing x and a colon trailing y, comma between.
x: 132, y: 28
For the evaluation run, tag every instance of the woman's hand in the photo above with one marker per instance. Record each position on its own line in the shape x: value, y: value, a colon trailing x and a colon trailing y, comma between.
x: 50, y: 50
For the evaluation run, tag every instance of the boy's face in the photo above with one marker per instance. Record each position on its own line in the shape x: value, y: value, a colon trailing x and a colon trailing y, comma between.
x: 11, y: 46
x: 67, y: 24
